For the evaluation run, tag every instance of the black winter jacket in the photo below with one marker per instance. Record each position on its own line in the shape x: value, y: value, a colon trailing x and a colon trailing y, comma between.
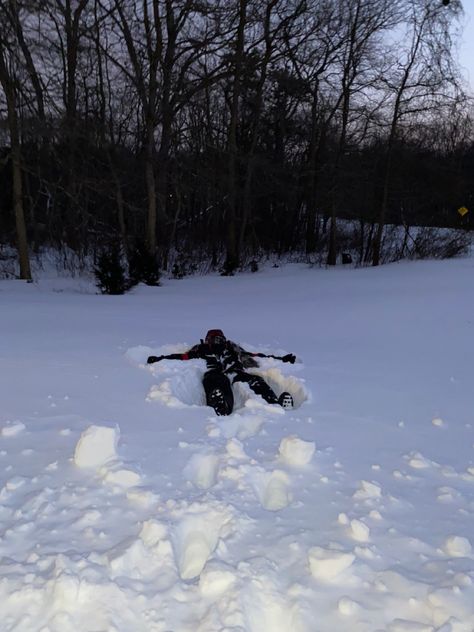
x: 230, y: 358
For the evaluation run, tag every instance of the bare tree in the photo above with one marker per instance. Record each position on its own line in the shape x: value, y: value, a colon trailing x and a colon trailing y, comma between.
x: 9, y: 83
x: 232, y: 258
x: 365, y: 20
x: 419, y: 79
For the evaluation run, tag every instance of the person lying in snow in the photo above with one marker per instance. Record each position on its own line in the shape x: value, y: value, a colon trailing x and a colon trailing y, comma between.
x: 226, y: 358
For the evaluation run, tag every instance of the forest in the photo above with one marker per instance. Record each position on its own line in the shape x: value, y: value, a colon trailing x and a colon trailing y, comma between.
x: 187, y: 133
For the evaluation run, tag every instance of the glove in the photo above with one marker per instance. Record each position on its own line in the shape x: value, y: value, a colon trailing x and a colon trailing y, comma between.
x: 290, y: 357
x: 153, y: 359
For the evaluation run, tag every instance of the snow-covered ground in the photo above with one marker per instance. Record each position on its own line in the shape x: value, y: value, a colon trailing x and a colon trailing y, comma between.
x: 127, y: 505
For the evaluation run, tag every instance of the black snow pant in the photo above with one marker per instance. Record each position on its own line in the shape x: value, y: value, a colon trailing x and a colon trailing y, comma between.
x: 216, y: 379
x: 258, y: 386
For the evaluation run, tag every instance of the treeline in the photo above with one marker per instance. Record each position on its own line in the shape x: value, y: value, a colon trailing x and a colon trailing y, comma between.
x: 223, y: 128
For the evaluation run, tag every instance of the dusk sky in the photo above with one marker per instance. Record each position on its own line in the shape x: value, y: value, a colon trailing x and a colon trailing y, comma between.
x: 466, y: 53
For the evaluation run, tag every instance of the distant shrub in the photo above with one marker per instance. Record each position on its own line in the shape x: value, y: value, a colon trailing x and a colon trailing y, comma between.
x: 8, y: 262
x: 439, y: 243
x: 110, y: 272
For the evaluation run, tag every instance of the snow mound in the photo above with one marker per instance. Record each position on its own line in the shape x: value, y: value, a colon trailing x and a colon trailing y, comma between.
x: 457, y: 546
x: 273, y: 490
x: 368, y: 491
x: 202, y: 470
x: 97, y: 447
x: 181, y: 389
x: 134, y: 559
x: 153, y: 532
x: 11, y: 429
x: 328, y: 564
x: 359, y: 531
x: 214, y: 582
x: 347, y: 606
x: 418, y: 461
x: 295, y: 451
x: 97, y: 450
x: 281, y: 383
x: 197, y: 536
x: 242, y: 426
x: 122, y: 477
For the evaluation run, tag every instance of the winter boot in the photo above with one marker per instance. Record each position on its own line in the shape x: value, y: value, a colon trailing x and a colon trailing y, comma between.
x: 218, y: 392
x: 286, y: 400
x: 218, y: 401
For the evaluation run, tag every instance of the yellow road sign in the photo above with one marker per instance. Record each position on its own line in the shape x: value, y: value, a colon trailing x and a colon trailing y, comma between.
x: 463, y: 211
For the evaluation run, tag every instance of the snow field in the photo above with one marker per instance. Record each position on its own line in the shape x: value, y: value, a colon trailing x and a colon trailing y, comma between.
x: 127, y: 505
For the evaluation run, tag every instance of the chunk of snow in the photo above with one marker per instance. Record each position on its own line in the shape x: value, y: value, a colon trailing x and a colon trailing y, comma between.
x: 347, y: 606
x: 14, y: 483
x: 295, y: 451
x: 152, y: 532
x: 164, y: 394
x: 359, y: 531
x: 275, y: 494
x: 195, y: 551
x: 375, y: 515
x: 327, y: 564
x: 235, y: 449
x: 197, y: 537
x: 418, y: 462
x: 12, y: 429
x: 364, y: 552
x: 143, y: 497
x: 368, y: 490
x: 97, y: 446
x: 215, y: 582
x: 202, y: 470
x: 130, y: 559
x: 457, y: 546
x: 122, y: 478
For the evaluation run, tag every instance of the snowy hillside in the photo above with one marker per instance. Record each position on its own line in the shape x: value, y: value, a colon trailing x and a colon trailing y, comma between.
x: 128, y: 506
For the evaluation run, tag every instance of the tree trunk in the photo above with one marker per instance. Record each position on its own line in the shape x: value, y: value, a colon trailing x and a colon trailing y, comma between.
x: 151, y: 190
x: 7, y: 83
x: 382, y: 212
x: 22, y: 241
x: 256, y: 122
x: 232, y: 260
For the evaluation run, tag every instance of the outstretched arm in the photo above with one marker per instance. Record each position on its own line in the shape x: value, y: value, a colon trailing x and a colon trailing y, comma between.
x: 172, y: 356
x: 289, y: 357
x: 189, y: 355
